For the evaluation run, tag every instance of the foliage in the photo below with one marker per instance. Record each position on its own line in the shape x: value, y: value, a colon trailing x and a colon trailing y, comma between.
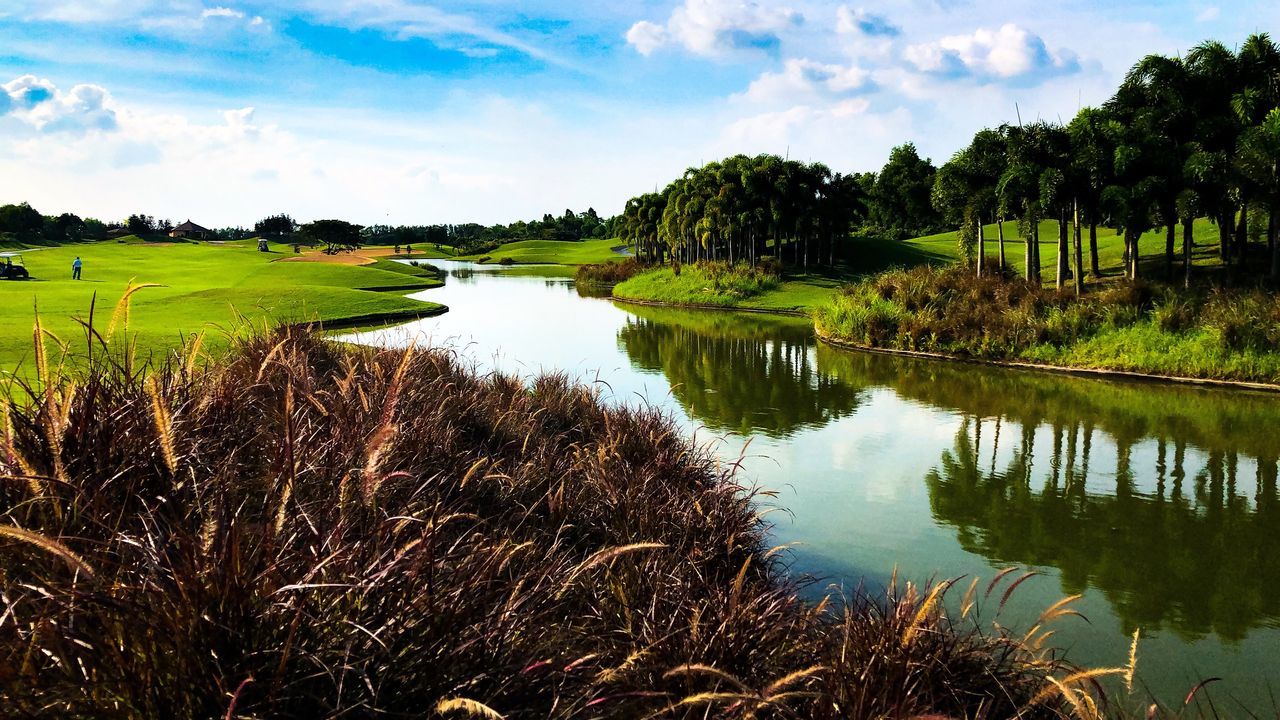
x: 276, y: 225
x: 611, y: 273
x: 900, y: 200
x: 336, y: 235
x: 744, y: 209
x: 308, y: 530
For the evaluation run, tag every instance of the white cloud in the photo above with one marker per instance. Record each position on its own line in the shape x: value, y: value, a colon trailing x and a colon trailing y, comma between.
x: 39, y: 104
x: 221, y: 12
x: 804, y: 80
x: 1209, y: 14
x: 1005, y: 54
x: 646, y: 36
x: 850, y: 21
x: 716, y: 27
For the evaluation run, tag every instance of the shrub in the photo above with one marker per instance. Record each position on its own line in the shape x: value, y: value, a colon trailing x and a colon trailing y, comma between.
x: 507, y: 261
x: 610, y: 273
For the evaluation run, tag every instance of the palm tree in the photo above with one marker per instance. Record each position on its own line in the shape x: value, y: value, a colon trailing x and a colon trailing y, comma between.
x: 1258, y: 160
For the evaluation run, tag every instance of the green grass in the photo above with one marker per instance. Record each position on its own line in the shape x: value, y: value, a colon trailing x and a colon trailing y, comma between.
x: 553, y: 252
x: 944, y: 248
x: 202, y: 286
x: 712, y: 284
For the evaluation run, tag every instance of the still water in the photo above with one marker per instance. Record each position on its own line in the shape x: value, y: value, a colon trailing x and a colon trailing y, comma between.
x: 1158, y: 503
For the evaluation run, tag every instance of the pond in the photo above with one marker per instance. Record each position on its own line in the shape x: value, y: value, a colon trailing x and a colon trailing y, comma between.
x: 1158, y: 503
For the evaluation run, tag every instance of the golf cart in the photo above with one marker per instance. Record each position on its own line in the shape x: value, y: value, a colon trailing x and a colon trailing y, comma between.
x: 12, y: 268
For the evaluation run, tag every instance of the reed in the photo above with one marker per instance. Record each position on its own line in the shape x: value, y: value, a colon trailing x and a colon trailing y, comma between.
x: 301, y: 529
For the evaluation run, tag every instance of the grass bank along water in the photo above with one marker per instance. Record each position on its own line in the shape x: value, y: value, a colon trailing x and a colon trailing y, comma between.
x: 1139, y: 328
x: 304, y: 529
x: 194, y: 287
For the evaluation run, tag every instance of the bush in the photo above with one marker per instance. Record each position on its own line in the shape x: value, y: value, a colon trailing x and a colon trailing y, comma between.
x: 307, y: 530
x: 610, y: 273
x: 506, y: 261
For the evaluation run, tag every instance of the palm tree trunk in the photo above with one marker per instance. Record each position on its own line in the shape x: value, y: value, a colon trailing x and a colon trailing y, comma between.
x: 1061, y: 269
x: 1093, y: 248
x: 1079, y: 264
x: 1000, y: 230
x: 1273, y: 240
x: 1225, y: 221
x: 982, y: 246
x: 1031, y: 255
x: 1170, y: 239
x: 1188, y: 225
x: 1242, y: 230
x: 1132, y: 239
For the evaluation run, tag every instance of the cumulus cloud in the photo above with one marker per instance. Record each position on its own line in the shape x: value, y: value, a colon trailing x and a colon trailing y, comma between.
x: 850, y: 21
x: 1010, y: 53
x: 38, y: 103
x: 716, y: 27
x: 646, y: 36
x: 802, y: 80
x: 221, y: 12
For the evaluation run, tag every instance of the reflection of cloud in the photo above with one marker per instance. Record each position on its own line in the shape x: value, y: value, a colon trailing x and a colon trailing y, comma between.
x: 715, y: 27
x: 1005, y: 54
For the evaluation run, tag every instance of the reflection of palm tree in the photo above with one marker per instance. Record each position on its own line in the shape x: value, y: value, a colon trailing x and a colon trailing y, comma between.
x: 1193, y: 566
x: 748, y: 375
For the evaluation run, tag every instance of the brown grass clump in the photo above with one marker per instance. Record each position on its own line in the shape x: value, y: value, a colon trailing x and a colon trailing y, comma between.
x: 307, y: 530
x: 610, y: 273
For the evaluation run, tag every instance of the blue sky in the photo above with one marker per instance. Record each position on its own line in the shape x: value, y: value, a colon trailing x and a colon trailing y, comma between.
x: 411, y: 111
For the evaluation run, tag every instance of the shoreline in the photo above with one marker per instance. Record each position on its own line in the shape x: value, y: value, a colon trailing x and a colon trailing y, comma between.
x: 1100, y: 373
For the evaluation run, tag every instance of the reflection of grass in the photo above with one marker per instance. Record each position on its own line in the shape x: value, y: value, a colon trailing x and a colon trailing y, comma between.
x: 201, y: 285
x: 1129, y: 411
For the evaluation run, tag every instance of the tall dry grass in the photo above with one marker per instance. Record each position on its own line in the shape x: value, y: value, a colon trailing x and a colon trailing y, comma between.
x: 306, y: 530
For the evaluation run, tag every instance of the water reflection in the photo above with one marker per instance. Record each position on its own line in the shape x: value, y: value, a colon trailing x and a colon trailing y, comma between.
x: 1163, y: 498
x: 738, y: 372
x: 1194, y: 556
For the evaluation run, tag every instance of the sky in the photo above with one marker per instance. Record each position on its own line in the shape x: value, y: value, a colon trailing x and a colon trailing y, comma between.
x: 421, y: 112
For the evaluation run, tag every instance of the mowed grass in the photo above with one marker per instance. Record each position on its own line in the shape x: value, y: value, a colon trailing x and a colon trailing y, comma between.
x: 944, y: 248
x: 556, y: 252
x: 201, y: 287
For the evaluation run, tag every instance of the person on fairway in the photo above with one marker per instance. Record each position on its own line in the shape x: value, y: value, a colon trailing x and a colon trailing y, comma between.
x: 75, y: 268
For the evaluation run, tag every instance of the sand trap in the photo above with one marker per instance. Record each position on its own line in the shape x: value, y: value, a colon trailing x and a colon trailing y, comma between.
x: 339, y: 259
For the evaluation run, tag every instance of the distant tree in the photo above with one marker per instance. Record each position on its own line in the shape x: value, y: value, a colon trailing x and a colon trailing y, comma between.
x: 140, y: 224
x: 901, y: 199
x: 336, y: 235
x: 94, y: 228
x: 63, y: 228
x: 276, y: 225
x: 20, y: 219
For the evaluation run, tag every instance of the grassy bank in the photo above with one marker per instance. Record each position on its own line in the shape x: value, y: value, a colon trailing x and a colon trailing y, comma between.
x: 302, y: 529
x: 1214, y: 335
x: 193, y: 287
x: 552, y: 252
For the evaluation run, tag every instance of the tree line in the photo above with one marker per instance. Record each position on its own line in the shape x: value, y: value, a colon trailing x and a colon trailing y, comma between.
x: 24, y: 223
x: 745, y: 208
x: 1182, y: 138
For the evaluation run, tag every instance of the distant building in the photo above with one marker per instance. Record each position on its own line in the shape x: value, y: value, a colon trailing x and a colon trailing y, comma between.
x: 189, y: 229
